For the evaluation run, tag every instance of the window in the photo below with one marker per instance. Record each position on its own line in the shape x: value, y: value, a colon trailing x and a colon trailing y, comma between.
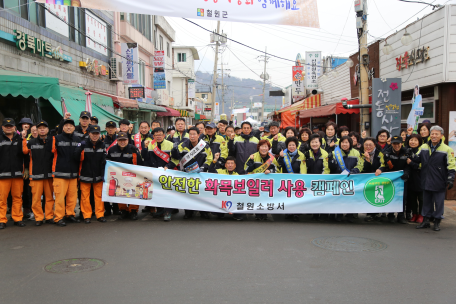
x: 204, y: 96
x: 429, y: 110
x: 20, y: 8
x: 161, y: 43
x: 168, y: 53
x: 181, y: 57
x: 142, y: 23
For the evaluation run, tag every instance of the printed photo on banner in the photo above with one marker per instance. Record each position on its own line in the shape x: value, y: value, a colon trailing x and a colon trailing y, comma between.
x: 126, y: 184
x: 452, y: 130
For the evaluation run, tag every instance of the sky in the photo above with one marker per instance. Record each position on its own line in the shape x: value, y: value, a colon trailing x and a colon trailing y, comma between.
x: 336, y: 36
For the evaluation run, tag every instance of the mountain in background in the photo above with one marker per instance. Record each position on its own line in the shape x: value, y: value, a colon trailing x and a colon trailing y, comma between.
x: 242, y: 88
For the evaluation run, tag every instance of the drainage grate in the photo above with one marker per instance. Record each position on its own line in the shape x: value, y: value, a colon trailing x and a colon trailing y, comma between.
x: 349, y: 244
x: 74, y: 265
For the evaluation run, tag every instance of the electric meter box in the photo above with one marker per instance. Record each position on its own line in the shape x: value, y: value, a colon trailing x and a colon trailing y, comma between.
x: 359, y: 5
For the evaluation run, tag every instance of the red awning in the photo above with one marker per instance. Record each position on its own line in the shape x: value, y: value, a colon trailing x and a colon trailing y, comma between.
x: 169, y: 112
x: 333, y: 109
x: 121, y: 102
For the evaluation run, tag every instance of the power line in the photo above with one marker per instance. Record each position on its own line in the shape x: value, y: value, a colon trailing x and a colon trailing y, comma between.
x: 381, y: 14
x: 348, y: 16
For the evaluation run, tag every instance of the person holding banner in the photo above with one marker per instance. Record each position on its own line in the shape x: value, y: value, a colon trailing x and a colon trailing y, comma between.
x: 262, y: 162
x: 243, y: 146
x: 396, y: 159
x: 92, y: 158
x: 316, y: 162
x: 438, y: 167
x: 39, y: 150
x: 330, y: 141
x: 158, y: 155
x: 65, y: 170
x: 217, y: 143
x: 110, y: 140
x: 194, y: 156
x: 374, y: 162
x: 344, y: 160
x: 292, y: 161
x: 123, y: 152
x: 415, y: 192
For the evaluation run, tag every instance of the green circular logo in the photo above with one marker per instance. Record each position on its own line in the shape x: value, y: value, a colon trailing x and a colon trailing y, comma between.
x: 379, y: 191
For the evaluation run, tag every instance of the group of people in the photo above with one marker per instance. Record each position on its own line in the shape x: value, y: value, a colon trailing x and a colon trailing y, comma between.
x: 55, y: 171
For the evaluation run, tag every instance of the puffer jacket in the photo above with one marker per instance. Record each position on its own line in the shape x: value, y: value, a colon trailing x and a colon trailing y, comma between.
x: 40, y: 153
x: 257, y: 161
x: 92, y: 160
x: 64, y: 164
x: 352, y: 160
x: 298, y: 163
x: 377, y: 163
x: 317, y: 163
x: 13, y: 161
x: 242, y: 147
x: 203, y: 158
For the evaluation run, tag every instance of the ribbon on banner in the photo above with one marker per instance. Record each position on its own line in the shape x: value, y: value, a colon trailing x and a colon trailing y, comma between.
x: 258, y: 193
x: 137, y: 140
x: 265, y: 166
x: 164, y: 156
x: 113, y: 143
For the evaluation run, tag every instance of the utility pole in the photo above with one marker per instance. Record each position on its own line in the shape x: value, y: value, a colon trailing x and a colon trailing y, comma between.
x: 223, y: 88
x: 214, y: 85
x: 363, y: 66
x: 265, y: 77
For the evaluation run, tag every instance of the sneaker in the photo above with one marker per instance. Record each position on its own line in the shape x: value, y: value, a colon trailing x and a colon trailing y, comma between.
x: 167, y: 217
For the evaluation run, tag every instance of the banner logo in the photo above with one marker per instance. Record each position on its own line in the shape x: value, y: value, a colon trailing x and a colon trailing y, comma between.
x: 379, y: 191
x: 226, y: 205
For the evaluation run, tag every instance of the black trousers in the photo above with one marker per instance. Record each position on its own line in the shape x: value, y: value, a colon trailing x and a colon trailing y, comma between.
x: 415, y: 201
x: 431, y: 199
x: 27, y: 195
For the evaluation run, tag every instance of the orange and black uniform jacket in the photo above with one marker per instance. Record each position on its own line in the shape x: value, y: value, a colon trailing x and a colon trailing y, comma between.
x: 64, y: 164
x: 108, y: 140
x: 12, y: 158
x: 129, y: 155
x: 40, y: 152
x: 92, y: 160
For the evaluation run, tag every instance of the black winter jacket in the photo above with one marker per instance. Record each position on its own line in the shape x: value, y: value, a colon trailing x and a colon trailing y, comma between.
x: 63, y: 147
x: 41, y: 156
x: 92, y: 160
x: 12, y: 158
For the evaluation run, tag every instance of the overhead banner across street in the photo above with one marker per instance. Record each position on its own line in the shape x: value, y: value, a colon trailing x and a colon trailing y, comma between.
x: 254, y: 193
x: 284, y: 12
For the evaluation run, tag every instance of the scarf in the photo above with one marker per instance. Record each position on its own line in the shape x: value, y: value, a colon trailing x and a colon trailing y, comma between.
x: 292, y: 154
x: 371, y: 156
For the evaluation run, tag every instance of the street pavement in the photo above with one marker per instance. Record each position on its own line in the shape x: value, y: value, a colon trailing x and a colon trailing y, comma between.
x: 225, y: 261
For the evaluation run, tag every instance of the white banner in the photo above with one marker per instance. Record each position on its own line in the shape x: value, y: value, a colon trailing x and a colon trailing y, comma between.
x: 257, y: 105
x: 284, y: 12
x: 298, y: 89
x: 191, y: 88
x: 54, y: 23
x: 313, y: 69
x: 130, y: 65
x: 96, y: 30
x: 159, y: 70
x: 253, y: 193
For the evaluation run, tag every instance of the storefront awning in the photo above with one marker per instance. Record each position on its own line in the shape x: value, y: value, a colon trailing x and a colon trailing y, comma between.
x: 150, y: 107
x: 169, y: 112
x: 26, y: 85
x: 308, y: 103
x: 121, y: 102
x: 336, y: 108
x: 75, y: 99
x: 197, y: 116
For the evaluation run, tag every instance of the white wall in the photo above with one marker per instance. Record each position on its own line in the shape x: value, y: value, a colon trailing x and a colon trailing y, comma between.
x: 450, y: 71
x: 335, y: 88
x: 164, y: 96
x: 428, y: 31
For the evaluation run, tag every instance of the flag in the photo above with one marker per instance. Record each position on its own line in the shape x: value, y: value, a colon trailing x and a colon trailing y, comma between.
x: 64, y: 108
x: 88, y: 106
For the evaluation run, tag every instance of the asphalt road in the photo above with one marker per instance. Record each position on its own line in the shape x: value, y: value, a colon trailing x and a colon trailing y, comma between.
x: 225, y: 261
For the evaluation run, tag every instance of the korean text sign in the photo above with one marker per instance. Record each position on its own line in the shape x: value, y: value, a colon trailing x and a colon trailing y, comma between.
x: 255, y: 193
x: 386, y: 105
x: 130, y: 64
x: 284, y: 12
x: 298, y: 82
x: 313, y: 69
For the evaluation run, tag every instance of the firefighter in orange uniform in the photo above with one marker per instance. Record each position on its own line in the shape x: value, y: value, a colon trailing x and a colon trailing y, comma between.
x: 39, y: 150
x: 65, y: 172
x: 12, y: 172
x: 92, y: 157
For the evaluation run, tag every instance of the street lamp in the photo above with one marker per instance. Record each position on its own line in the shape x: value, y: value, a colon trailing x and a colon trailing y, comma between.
x: 387, y: 48
x: 349, y: 63
x: 406, y: 39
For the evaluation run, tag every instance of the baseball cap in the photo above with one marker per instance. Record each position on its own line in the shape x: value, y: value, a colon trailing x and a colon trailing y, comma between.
x: 122, y: 135
x: 68, y: 121
x: 94, y: 129
x: 396, y: 139
x: 8, y: 122
x: 266, y: 129
x: 315, y: 127
x: 42, y: 123
x: 85, y: 114
x: 170, y: 128
x: 111, y: 124
x: 94, y: 118
x: 210, y: 125
x: 124, y: 122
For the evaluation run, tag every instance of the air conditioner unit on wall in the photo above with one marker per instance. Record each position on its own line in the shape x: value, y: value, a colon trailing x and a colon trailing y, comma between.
x: 115, y: 73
